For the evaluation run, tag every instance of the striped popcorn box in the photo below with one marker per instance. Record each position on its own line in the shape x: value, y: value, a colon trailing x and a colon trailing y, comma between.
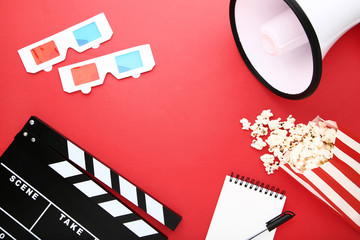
x: 336, y: 182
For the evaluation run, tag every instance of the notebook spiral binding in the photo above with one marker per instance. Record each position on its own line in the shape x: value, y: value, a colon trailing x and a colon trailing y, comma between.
x: 258, y: 186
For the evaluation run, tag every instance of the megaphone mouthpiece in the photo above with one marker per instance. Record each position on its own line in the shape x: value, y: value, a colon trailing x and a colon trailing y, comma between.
x: 282, y: 34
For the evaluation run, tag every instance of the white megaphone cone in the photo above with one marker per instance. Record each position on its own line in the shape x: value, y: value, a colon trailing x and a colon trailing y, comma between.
x: 283, y: 42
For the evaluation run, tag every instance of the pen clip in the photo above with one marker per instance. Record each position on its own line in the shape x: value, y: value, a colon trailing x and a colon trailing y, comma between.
x: 280, y: 219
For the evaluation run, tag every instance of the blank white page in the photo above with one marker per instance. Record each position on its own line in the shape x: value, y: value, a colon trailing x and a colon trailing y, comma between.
x: 242, y: 212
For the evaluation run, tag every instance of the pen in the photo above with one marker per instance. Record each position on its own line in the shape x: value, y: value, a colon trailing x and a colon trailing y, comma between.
x: 276, y: 221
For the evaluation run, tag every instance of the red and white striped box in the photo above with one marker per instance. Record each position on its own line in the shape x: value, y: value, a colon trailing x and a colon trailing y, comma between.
x: 337, y: 182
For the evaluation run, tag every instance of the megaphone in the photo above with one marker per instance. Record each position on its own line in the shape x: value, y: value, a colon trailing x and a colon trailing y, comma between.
x: 283, y: 42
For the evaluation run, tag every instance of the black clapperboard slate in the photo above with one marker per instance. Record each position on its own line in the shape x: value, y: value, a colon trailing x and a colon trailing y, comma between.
x: 45, y: 195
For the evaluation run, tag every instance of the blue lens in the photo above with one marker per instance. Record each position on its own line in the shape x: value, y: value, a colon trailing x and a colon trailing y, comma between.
x: 87, y: 34
x: 128, y: 61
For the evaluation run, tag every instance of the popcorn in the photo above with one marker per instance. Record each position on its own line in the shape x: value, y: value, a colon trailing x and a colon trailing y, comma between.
x: 289, y: 123
x: 267, y: 158
x: 329, y: 136
x: 276, y: 137
x: 269, y: 163
x: 274, y: 124
x: 258, y: 143
x: 298, y: 131
x: 258, y: 129
x: 304, y: 147
x: 266, y: 114
x: 245, y: 124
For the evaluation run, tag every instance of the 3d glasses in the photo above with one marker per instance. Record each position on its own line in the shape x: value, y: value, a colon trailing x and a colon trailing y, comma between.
x: 84, y: 75
x: 44, y: 54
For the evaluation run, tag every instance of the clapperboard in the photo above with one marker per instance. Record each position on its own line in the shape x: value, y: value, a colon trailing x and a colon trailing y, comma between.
x: 50, y: 190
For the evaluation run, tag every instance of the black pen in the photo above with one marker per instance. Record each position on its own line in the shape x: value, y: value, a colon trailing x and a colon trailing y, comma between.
x: 276, y: 221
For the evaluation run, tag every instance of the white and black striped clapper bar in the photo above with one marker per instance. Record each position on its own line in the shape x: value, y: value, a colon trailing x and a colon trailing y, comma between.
x: 95, y: 168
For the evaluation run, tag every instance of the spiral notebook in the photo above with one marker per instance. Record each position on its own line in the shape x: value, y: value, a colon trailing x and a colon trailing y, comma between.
x: 243, y: 208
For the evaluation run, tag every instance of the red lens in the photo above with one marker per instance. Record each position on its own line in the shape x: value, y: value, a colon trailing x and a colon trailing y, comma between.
x: 85, y: 74
x: 45, y: 52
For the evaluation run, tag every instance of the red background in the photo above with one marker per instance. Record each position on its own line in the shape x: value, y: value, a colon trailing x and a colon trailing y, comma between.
x: 174, y: 131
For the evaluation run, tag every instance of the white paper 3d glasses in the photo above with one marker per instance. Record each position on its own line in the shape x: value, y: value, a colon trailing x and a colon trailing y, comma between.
x: 44, y: 54
x: 84, y: 75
